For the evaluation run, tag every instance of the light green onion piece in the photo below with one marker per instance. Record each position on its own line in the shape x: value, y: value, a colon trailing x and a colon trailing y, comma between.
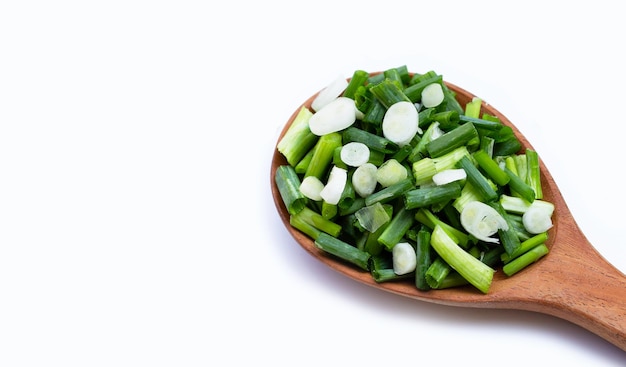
x: 473, y: 270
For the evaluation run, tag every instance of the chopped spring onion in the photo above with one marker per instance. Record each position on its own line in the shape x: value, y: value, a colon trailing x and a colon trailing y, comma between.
x: 449, y: 175
x: 537, y: 219
x: 331, y: 193
x: 401, y: 123
x: 482, y: 221
x: 473, y: 270
x: 432, y: 95
x: 364, y: 179
x: 391, y: 166
x: 526, y: 259
x: 329, y: 93
x: 343, y: 250
x: 391, y: 172
x: 298, y: 139
x: 517, y: 205
x: 288, y: 184
x: 372, y: 217
x: 311, y: 187
x: 404, y: 258
x: 335, y: 116
x: 355, y: 154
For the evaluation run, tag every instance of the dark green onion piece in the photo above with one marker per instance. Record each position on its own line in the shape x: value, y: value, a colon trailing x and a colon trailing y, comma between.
x: 388, y: 93
x: 526, y: 259
x: 492, y: 256
x: 491, y: 168
x: 430, y: 195
x: 323, y: 155
x: 482, y: 124
x: 518, y: 185
x: 343, y: 250
x: 478, y: 181
x: 447, y: 120
x: 288, y: 184
x: 465, y: 134
x: 390, y: 192
x: 424, y: 260
x: 437, y: 272
x: 399, y: 225
x: 373, y: 141
x: 375, y: 113
x: 359, y: 78
x: 348, y: 195
x: 526, y: 246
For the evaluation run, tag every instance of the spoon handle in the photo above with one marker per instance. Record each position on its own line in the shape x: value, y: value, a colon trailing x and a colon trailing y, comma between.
x: 577, y: 284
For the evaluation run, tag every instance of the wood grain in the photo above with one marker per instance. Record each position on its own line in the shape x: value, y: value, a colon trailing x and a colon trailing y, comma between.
x: 573, y: 282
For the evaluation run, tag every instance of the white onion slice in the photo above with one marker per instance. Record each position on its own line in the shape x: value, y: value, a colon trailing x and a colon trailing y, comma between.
x: 364, y: 179
x: 335, y: 116
x: 401, y: 123
x: 331, y: 193
x: 537, y: 219
x: 311, y: 187
x: 355, y: 154
x: 432, y: 95
x: 449, y: 175
x: 482, y: 221
x: 329, y: 93
x: 404, y: 258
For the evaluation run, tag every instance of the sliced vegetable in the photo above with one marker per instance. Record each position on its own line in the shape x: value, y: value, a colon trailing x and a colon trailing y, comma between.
x: 355, y: 154
x: 311, y: 187
x: 537, y: 219
x: 401, y: 123
x: 404, y: 258
x: 372, y: 217
x: 473, y: 270
x: 343, y: 250
x: 391, y: 172
x: 331, y: 193
x: 449, y: 175
x: 288, y: 184
x: 482, y: 221
x: 364, y: 179
x: 526, y: 259
x: 432, y: 95
x: 334, y: 116
x: 298, y: 138
x: 322, y: 156
x: 329, y: 93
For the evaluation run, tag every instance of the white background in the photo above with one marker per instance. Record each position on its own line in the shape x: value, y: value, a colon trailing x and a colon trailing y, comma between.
x: 137, y: 226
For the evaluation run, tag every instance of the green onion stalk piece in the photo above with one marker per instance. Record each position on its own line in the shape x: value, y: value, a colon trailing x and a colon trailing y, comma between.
x: 298, y: 138
x: 473, y: 270
x: 288, y: 184
x: 343, y: 250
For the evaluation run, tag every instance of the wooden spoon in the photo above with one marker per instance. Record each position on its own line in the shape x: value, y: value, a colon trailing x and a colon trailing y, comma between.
x: 573, y: 282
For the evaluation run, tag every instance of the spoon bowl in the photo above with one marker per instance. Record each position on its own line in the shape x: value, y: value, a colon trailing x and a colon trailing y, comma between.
x: 573, y: 282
